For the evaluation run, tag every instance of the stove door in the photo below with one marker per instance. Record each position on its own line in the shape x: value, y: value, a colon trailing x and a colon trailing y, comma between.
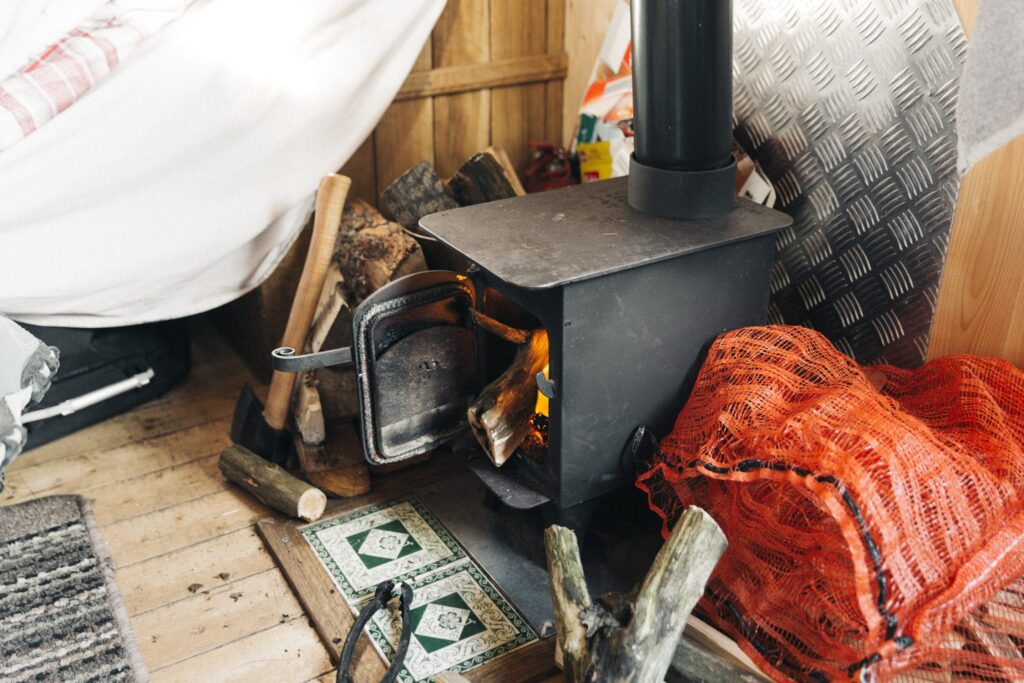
x: 416, y: 360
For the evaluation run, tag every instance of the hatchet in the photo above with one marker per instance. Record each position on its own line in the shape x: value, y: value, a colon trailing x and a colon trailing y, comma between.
x: 262, y: 428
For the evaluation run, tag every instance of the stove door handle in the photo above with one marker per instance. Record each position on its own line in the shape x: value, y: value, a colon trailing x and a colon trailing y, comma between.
x: 285, y: 360
x: 544, y: 385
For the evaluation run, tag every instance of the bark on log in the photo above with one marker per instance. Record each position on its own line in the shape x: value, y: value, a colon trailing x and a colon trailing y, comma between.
x: 372, y: 251
x: 337, y: 465
x: 500, y: 415
x: 483, y: 178
x: 570, y: 597
x: 271, y: 484
x: 509, y: 168
x: 693, y: 664
x: 417, y: 193
x: 637, y: 647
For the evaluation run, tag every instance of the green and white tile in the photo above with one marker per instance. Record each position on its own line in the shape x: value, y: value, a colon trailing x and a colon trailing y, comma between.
x: 398, y: 540
x: 459, y: 621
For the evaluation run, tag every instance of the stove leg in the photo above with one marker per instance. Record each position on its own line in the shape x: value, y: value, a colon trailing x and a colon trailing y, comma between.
x: 576, y: 517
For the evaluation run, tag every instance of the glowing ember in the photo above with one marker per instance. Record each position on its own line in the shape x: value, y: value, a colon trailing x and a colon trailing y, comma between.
x: 535, y: 445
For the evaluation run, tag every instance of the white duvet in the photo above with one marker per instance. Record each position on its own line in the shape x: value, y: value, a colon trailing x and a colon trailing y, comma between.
x: 178, y: 183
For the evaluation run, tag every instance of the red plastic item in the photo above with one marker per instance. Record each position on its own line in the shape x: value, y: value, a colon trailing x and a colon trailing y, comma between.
x: 875, y: 516
x: 550, y: 168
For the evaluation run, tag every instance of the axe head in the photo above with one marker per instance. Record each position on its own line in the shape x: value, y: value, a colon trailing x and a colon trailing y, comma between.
x: 250, y: 429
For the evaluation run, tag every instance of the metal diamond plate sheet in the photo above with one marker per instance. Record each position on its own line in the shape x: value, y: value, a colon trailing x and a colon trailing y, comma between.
x: 848, y: 105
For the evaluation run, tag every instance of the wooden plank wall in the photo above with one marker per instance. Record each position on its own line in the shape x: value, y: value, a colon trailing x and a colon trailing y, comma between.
x: 491, y: 73
x: 981, y: 299
x: 586, y: 22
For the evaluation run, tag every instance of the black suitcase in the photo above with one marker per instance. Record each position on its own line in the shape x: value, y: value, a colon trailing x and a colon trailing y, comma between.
x: 135, y: 364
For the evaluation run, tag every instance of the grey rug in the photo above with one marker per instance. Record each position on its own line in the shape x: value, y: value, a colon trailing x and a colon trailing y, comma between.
x: 61, y: 617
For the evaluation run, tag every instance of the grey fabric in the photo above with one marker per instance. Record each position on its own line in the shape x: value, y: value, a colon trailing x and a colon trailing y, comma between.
x: 39, y: 370
x: 12, y: 438
x: 61, y: 617
x: 27, y: 367
x: 990, y: 111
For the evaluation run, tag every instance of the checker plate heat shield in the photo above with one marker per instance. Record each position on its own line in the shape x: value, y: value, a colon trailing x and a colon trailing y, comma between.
x: 848, y: 106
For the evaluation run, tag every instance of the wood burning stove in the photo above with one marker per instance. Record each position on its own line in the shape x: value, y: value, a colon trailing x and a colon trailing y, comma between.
x: 630, y: 278
x: 629, y: 301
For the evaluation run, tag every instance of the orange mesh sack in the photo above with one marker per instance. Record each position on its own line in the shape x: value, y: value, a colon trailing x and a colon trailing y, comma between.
x: 874, y: 515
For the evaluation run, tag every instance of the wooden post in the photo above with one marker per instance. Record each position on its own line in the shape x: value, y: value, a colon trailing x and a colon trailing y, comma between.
x: 570, y: 598
x: 634, y: 643
x: 271, y: 484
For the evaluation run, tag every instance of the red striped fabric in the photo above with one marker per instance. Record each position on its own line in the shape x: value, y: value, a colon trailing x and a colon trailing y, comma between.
x: 65, y: 71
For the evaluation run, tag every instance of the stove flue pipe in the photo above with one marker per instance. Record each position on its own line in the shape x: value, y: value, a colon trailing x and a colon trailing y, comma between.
x: 682, y: 108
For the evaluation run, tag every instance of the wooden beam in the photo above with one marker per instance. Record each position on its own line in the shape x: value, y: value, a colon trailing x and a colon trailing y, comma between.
x: 455, y: 79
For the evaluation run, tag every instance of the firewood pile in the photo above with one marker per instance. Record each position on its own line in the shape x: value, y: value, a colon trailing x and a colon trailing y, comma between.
x: 372, y: 249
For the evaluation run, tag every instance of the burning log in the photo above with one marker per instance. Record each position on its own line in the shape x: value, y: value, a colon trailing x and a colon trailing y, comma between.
x: 635, y: 641
x: 501, y: 416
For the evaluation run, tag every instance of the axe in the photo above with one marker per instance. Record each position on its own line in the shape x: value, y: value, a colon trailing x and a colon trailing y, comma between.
x: 262, y: 429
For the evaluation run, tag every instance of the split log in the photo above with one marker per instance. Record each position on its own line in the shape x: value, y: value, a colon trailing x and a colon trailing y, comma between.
x: 272, y: 485
x: 500, y: 415
x: 325, y: 448
x: 484, y: 178
x: 372, y: 251
x: 307, y: 411
x: 337, y: 465
x: 417, y: 193
x: 332, y: 302
x: 509, y: 168
x: 635, y: 642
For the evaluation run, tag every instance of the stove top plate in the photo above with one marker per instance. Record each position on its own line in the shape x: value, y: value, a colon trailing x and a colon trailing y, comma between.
x: 577, y: 233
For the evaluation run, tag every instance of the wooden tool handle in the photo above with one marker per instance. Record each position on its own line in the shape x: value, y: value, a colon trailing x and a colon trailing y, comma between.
x: 330, y: 200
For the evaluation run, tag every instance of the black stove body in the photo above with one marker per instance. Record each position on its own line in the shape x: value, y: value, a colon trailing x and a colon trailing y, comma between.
x: 631, y: 278
x: 630, y: 303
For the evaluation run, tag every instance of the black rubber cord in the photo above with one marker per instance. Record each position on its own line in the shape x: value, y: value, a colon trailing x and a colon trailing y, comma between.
x: 381, y: 597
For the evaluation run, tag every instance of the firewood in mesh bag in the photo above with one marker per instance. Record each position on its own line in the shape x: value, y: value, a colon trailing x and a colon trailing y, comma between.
x: 874, y: 514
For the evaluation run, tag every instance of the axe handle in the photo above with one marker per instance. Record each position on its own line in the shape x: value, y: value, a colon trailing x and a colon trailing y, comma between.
x: 330, y: 200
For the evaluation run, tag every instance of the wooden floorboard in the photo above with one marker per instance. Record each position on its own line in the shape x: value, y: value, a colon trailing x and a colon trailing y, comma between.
x: 205, y: 598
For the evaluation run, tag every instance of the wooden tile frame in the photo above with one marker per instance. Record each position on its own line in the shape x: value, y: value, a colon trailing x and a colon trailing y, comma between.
x: 331, y: 615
